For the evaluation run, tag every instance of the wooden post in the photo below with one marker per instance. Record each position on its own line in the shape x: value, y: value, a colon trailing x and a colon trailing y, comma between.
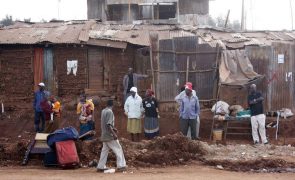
x: 154, y: 38
x: 187, y: 69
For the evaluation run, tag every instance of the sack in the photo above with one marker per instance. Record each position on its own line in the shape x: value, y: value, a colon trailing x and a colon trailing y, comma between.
x: 286, y: 113
x: 220, y: 107
x: 64, y: 134
x: 67, y: 155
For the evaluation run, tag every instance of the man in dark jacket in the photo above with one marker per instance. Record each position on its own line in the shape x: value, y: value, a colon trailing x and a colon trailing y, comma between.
x: 130, y: 80
x: 255, y: 101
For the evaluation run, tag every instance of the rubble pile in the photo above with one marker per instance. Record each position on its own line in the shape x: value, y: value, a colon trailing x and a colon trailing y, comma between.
x: 172, y: 150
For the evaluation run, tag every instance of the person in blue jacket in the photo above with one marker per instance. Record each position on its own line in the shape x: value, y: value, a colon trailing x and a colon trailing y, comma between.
x: 39, y: 114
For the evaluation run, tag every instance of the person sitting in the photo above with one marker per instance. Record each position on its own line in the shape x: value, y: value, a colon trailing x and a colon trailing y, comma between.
x: 85, y: 109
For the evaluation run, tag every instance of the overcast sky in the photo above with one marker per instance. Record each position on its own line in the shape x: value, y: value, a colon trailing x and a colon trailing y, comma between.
x: 260, y: 14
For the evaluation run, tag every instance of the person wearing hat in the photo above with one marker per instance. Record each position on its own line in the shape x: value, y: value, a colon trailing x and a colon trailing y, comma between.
x: 179, y: 98
x: 39, y: 114
x: 189, y: 112
x: 133, y: 110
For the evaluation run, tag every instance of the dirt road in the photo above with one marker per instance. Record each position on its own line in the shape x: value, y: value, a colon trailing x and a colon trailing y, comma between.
x: 191, y: 172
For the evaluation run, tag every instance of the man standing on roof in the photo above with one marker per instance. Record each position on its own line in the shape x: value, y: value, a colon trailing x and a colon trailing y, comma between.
x: 39, y: 114
x: 130, y: 80
x: 189, y: 112
x: 255, y: 100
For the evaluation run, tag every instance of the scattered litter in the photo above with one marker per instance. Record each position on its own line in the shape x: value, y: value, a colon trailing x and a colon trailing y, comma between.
x: 109, y: 171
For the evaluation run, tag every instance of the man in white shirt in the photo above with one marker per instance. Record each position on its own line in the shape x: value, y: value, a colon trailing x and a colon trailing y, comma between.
x: 133, y: 110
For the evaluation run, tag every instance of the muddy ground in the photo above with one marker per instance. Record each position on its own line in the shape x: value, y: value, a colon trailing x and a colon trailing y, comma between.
x: 174, y: 150
x: 165, y: 151
x: 190, y: 172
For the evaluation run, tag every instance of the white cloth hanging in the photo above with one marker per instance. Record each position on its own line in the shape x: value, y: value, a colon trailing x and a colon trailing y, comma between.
x: 72, y: 66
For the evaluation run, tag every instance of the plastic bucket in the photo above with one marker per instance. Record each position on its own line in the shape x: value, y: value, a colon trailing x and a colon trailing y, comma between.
x: 217, y: 134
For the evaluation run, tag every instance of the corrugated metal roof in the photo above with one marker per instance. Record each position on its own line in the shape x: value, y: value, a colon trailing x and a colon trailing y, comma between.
x: 75, y: 32
x: 34, y: 34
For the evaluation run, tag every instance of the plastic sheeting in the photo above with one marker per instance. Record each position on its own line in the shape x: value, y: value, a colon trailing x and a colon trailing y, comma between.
x: 236, y: 69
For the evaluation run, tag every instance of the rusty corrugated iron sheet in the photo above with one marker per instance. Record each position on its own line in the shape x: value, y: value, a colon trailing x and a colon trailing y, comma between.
x: 34, y: 34
x: 77, y: 32
x: 278, y: 84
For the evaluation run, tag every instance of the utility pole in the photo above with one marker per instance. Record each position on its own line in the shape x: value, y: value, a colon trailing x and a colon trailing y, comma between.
x: 129, y: 10
x: 58, y: 9
x: 243, y: 16
x: 291, y: 8
x: 226, y: 21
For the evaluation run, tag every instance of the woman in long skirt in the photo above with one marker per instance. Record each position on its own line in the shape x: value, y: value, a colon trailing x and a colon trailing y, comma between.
x: 151, y: 122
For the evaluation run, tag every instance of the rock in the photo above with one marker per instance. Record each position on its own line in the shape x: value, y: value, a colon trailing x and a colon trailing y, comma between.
x: 144, y: 151
x: 219, y: 167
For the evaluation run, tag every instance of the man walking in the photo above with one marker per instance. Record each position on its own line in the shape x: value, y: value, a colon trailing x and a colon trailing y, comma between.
x: 189, y: 112
x: 130, y: 80
x: 255, y: 100
x: 110, y: 140
x: 133, y: 109
x: 39, y: 114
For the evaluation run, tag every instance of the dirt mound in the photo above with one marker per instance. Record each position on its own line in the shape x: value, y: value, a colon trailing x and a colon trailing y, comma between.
x: 173, y: 150
x: 167, y: 150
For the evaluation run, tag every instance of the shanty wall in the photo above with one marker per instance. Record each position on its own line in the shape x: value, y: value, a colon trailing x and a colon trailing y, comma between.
x: 193, y: 7
x: 16, y: 74
x: 278, y: 84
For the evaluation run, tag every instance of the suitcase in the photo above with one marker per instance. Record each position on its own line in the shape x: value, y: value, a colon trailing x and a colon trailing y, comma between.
x: 50, y: 159
x: 67, y: 155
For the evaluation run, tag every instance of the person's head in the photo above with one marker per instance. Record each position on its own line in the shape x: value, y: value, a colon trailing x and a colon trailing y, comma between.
x: 149, y: 93
x: 133, y: 91
x: 41, y: 86
x: 53, y: 99
x: 130, y: 70
x: 253, y: 88
x: 83, y: 98
x: 188, y: 89
x: 110, y: 103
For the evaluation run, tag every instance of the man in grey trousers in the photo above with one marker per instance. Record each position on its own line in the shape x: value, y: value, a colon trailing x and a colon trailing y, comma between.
x: 189, y: 112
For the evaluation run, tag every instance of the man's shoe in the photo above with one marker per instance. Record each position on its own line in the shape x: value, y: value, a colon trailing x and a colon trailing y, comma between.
x: 101, y: 170
x: 256, y: 142
x: 266, y: 143
x: 121, y: 169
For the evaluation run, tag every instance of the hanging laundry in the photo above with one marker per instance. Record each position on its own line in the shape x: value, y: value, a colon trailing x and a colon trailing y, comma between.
x: 72, y: 66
